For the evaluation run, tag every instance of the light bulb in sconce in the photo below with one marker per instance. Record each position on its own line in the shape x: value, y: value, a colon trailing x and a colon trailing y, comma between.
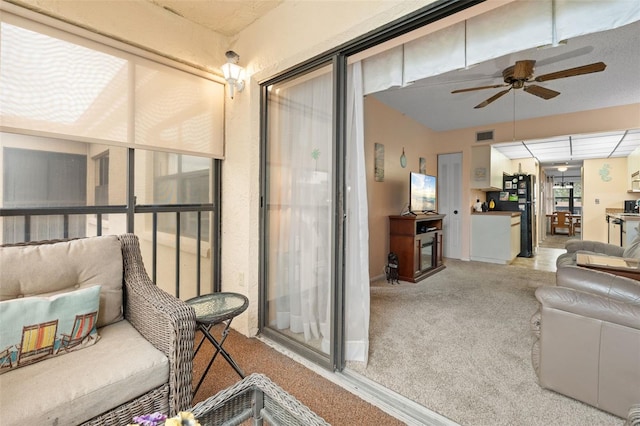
x: 233, y: 73
x: 403, y: 159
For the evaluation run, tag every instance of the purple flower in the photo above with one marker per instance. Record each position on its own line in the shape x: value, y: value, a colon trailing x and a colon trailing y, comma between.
x: 155, y: 419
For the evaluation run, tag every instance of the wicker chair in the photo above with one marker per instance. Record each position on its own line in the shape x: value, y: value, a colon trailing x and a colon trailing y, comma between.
x: 168, y: 324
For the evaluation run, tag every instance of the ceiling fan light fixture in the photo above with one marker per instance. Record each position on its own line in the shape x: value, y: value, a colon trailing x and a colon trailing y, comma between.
x: 520, y: 76
x: 563, y: 169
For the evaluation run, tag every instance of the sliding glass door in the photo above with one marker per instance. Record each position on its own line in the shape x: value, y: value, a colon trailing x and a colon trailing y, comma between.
x: 299, y: 211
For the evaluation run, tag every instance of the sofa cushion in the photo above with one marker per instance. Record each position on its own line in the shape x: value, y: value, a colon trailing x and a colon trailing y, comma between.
x: 74, y: 388
x: 40, y: 327
x: 66, y: 266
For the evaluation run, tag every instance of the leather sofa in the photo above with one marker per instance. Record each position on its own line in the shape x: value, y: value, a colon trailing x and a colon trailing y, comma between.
x: 587, y: 338
x: 596, y: 247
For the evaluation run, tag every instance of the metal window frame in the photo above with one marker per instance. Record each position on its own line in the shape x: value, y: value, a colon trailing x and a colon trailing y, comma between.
x: 339, y: 57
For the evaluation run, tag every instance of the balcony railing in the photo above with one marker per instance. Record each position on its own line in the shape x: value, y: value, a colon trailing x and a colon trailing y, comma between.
x: 28, y: 214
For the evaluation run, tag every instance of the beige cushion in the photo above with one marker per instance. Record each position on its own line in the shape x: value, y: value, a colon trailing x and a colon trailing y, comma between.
x: 74, y: 388
x: 56, y: 268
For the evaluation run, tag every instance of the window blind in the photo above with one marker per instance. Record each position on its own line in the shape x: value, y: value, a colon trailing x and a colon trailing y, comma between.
x: 56, y: 83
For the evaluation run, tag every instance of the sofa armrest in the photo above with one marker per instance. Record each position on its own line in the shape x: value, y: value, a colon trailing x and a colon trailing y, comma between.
x: 599, y: 283
x: 634, y: 416
x: 165, y: 321
x: 573, y: 246
x: 589, y: 305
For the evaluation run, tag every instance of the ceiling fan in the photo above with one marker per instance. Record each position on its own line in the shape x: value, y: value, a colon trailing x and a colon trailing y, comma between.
x: 520, y: 76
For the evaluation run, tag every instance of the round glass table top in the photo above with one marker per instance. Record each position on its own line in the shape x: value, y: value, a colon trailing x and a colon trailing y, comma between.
x: 217, y: 307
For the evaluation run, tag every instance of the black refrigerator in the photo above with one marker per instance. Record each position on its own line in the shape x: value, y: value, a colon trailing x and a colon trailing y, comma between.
x: 518, y: 194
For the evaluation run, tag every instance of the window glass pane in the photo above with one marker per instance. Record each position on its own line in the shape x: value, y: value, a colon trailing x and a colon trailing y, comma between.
x: 41, y: 173
x: 48, y: 172
x: 299, y: 208
x: 165, y: 266
x: 170, y: 179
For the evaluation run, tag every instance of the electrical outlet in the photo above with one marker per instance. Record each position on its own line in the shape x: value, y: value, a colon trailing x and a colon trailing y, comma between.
x: 597, y: 200
x: 241, y: 279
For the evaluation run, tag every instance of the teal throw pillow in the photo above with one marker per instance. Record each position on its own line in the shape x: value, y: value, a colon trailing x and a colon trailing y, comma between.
x: 35, y: 328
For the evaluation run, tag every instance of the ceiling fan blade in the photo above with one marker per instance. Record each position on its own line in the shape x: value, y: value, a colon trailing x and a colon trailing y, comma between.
x: 491, y: 99
x: 523, y: 69
x: 571, y: 72
x: 541, y: 92
x: 471, y: 89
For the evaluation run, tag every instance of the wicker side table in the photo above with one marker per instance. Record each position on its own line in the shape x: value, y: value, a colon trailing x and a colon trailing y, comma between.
x: 255, y: 397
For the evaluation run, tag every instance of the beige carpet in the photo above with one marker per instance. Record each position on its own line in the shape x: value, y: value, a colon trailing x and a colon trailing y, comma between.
x: 459, y: 343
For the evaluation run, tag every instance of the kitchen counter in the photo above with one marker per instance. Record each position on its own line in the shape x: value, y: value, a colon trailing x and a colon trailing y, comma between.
x: 495, y: 236
x: 625, y: 216
x: 622, y: 228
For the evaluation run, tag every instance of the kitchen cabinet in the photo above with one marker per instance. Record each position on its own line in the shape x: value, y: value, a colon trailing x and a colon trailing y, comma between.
x: 487, y: 167
x: 495, y: 236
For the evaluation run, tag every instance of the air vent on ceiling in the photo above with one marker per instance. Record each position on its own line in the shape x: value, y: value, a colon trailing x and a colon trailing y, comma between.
x: 484, y: 136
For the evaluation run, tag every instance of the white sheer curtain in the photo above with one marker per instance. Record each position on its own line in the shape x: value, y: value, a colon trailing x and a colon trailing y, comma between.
x: 300, y: 161
x: 301, y: 187
x: 357, y: 226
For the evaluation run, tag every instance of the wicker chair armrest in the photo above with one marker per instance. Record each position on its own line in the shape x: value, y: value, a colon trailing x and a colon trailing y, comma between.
x: 165, y: 321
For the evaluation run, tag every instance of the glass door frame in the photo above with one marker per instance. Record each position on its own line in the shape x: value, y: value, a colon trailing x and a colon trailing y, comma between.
x: 334, y: 358
x: 339, y: 59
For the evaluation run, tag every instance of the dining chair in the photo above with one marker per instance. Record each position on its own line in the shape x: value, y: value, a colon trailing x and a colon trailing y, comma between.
x: 577, y: 225
x: 561, y: 220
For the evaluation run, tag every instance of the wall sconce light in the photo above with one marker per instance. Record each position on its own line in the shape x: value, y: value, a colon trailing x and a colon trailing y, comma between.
x: 233, y: 73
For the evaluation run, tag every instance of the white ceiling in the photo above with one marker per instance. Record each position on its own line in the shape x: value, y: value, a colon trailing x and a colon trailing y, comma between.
x: 431, y: 103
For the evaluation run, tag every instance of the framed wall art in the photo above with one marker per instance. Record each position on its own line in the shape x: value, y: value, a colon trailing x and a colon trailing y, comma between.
x: 379, y: 162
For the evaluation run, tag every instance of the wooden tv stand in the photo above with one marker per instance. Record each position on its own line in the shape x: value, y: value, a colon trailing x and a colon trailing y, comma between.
x: 417, y: 240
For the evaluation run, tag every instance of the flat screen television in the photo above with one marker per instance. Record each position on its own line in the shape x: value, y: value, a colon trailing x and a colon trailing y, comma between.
x: 422, y: 193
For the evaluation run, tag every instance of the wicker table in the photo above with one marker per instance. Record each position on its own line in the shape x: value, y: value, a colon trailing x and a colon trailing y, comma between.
x: 212, y: 309
x: 258, y: 398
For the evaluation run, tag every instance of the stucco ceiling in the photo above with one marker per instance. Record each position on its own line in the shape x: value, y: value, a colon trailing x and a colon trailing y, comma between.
x: 227, y: 17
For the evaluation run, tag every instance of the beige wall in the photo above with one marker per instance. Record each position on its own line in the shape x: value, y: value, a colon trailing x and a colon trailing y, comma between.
x: 383, y: 122
x: 395, y: 131
x: 605, y: 186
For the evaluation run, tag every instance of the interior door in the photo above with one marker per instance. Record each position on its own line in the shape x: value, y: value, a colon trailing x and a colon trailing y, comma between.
x: 450, y: 202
